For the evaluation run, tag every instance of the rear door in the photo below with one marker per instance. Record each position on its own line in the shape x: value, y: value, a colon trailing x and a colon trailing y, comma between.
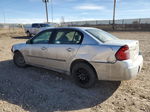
x: 66, y: 44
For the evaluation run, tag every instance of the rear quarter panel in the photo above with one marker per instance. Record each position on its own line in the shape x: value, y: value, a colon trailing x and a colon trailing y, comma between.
x: 96, y: 54
x: 101, y: 57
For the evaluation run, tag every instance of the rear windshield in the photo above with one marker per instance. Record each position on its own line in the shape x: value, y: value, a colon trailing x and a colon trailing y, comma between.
x: 101, y: 35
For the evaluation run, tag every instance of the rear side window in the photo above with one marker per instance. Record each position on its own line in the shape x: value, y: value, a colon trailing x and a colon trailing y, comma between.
x: 68, y: 37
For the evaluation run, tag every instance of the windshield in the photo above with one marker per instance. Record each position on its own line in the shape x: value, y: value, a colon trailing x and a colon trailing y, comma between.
x: 44, y: 25
x: 101, y: 35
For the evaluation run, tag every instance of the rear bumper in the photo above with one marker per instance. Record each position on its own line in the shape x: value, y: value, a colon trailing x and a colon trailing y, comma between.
x: 121, y: 70
x: 133, y: 68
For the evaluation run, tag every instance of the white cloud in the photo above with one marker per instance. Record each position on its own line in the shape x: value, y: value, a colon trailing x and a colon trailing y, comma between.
x: 84, y: 13
x: 89, y: 7
x: 24, y: 20
x: 79, y: 18
x: 70, y: 0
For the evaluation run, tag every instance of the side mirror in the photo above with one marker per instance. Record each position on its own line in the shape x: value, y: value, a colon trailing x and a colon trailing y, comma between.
x: 29, y: 42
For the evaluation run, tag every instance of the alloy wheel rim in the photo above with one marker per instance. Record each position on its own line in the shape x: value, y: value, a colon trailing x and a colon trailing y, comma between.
x: 82, y: 76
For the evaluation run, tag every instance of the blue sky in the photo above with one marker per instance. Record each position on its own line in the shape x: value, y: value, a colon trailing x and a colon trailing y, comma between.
x: 29, y: 11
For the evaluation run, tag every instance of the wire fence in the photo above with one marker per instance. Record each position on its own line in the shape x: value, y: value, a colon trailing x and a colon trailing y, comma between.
x: 122, y: 24
x: 11, y: 28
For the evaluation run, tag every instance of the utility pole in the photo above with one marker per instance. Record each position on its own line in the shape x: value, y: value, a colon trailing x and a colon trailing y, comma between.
x: 52, y: 10
x: 114, y: 12
x: 46, y: 1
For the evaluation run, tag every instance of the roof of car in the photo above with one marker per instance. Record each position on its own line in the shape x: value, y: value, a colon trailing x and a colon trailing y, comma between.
x: 40, y: 23
x: 78, y: 28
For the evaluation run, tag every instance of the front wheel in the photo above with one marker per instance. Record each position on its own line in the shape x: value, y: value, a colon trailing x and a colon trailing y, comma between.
x: 19, y: 60
x: 84, y: 75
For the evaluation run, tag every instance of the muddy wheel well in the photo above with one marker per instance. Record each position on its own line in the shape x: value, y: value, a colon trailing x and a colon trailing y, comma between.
x: 82, y: 61
x: 17, y: 51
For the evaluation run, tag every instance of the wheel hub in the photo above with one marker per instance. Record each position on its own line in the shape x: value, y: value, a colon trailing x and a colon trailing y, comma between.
x: 82, y: 76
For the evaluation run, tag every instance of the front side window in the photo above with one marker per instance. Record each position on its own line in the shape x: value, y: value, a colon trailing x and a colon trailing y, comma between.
x: 42, y: 38
x: 68, y: 37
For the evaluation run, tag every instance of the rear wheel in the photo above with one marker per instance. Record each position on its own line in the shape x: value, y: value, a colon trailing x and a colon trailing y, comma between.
x: 19, y: 60
x: 84, y: 75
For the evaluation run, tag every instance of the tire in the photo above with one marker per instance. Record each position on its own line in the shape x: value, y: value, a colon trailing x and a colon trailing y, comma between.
x: 28, y: 34
x: 83, y: 75
x: 19, y: 60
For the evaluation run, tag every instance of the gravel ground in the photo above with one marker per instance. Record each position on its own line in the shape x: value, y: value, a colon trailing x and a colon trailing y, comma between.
x: 38, y: 90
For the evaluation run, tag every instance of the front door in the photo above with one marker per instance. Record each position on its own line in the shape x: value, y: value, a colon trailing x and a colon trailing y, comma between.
x: 41, y: 52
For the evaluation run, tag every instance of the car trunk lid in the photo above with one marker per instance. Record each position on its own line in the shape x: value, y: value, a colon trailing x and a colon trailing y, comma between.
x: 132, y: 44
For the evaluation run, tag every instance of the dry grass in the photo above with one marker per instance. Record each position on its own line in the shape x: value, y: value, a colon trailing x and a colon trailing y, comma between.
x: 39, y: 90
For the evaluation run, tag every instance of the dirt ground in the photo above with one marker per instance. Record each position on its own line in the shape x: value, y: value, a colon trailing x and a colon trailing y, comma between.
x: 38, y: 90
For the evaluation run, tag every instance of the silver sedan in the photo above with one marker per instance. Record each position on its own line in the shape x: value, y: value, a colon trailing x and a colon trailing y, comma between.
x: 87, y: 54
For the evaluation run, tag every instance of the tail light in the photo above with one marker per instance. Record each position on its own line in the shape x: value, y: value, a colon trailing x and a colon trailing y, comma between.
x: 123, y: 53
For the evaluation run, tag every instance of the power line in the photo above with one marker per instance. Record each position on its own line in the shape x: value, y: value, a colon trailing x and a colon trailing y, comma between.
x: 3, y: 14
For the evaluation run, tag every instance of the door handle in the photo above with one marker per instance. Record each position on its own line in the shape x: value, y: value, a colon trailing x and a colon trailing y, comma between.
x: 69, y: 49
x: 43, y: 48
